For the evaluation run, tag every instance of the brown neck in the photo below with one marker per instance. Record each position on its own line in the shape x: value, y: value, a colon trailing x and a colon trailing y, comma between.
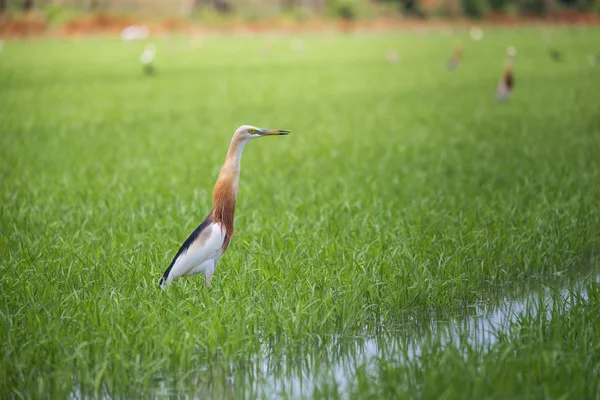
x: 508, y: 65
x: 457, y: 53
x: 225, y: 192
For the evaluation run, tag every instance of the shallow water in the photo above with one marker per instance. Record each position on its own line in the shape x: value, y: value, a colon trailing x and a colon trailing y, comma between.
x: 334, y: 368
x: 348, y: 356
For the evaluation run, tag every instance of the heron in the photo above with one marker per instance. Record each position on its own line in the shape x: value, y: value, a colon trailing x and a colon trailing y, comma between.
x: 201, y: 252
x: 507, y: 83
x: 456, y: 57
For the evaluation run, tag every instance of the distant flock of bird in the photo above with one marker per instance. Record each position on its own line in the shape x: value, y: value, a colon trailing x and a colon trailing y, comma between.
x: 504, y: 88
x: 507, y: 81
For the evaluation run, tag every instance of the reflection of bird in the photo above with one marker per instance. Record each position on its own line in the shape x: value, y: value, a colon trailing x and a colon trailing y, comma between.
x: 201, y: 252
x: 147, y: 58
x: 555, y: 54
x: 507, y: 83
x: 456, y: 56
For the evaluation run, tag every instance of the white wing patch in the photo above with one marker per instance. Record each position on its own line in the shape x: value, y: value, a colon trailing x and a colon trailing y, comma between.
x: 194, y: 258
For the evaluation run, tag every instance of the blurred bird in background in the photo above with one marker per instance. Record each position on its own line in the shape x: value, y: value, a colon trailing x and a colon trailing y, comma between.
x: 507, y: 83
x: 476, y: 33
x: 135, y: 32
x: 456, y: 57
x: 201, y: 252
x: 147, y: 59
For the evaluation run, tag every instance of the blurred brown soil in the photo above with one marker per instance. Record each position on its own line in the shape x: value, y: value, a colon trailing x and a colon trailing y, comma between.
x: 96, y: 23
x: 28, y: 25
x: 33, y: 24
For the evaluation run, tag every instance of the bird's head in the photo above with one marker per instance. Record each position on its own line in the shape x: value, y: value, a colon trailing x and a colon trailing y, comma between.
x: 511, y: 52
x: 248, y: 132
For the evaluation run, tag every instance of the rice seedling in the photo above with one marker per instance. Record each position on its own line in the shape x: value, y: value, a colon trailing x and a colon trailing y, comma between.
x: 406, y: 195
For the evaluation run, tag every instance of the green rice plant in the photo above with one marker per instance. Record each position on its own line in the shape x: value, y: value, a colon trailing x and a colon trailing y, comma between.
x: 404, y: 195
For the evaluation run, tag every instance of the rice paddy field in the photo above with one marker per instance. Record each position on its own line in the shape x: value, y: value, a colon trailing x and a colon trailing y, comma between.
x: 412, y: 237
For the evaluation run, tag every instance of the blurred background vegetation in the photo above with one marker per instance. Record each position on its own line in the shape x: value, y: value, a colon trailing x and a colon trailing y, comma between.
x: 60, y: 12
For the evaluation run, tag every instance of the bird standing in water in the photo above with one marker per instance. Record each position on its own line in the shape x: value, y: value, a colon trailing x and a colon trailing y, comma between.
x: 201, y: 252
x: 507, y: 83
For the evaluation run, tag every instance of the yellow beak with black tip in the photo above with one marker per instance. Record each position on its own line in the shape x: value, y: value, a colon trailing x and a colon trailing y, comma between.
x: 274, y: 132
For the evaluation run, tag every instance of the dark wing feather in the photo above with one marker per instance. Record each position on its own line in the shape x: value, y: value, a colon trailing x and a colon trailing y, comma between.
x: 188, y: 242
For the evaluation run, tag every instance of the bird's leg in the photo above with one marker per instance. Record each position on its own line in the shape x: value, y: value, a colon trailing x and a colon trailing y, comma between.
x: 208, y: 278
x: 210, y: 271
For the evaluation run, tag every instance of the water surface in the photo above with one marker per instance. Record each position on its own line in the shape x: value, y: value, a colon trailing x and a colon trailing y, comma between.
x: 337, y: 366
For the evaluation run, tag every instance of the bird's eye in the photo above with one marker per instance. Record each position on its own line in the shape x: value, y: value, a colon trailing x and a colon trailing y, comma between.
x: 252, y: 131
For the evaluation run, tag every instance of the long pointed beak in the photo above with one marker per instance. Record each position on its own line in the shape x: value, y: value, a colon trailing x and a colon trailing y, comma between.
x: 274, y: 132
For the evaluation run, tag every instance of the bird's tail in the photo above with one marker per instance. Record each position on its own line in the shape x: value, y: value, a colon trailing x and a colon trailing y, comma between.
x: 162, y: 282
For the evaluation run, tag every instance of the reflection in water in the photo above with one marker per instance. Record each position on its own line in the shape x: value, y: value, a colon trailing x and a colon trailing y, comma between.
x: 332, y: 368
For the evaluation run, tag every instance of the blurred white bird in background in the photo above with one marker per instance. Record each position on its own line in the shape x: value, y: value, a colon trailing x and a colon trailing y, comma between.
x: 133, y: 32
x: 147, y: 58
x: 476, y: 33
